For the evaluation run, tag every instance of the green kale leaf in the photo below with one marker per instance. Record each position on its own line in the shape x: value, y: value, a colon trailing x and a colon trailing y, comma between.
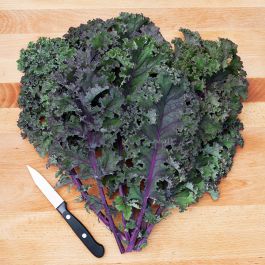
x: 148, y: 125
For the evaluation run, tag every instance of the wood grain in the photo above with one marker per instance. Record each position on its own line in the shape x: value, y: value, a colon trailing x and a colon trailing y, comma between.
x: 51, y: 21
x: 230, y: 231
x: 9, y: 95
x: 98, y: 4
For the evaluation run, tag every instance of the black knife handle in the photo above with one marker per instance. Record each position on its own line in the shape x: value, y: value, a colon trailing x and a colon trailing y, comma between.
x: 95, y: 248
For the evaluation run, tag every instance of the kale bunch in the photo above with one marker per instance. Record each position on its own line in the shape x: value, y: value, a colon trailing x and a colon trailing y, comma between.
x: 152, y: 125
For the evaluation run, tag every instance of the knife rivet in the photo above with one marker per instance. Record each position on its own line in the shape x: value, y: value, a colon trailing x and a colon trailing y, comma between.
x: 68, y: 216
x: 84, y: 235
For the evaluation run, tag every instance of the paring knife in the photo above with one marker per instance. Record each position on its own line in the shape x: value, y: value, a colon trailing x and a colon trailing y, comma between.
x: 60, y: 205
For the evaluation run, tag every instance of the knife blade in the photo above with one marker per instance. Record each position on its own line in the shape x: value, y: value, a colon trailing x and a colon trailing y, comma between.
x: 60, y: 205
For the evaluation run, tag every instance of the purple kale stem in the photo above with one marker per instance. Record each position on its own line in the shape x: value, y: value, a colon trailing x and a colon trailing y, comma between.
x: 76, y: 180
x: 113, y: 228
x: 121, y: 189
x: 78, y: 183
x: 143, y: 225
x: 126, y: 232
x: 147, y: 189
x: 146, y: 196
x: 108, y: 213
x: 148, y: 231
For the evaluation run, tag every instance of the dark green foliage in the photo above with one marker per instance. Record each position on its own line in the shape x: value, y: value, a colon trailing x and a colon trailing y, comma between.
x: 155, y: 127
x: 38, y: 62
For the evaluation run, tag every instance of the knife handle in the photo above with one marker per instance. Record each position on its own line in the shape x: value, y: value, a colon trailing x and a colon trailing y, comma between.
x: 95, y: 248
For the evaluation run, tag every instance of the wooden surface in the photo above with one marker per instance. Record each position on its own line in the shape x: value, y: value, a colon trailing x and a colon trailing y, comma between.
x: 229, y: 231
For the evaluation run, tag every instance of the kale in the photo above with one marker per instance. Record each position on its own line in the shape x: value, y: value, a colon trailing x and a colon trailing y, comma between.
x: 154, y: 126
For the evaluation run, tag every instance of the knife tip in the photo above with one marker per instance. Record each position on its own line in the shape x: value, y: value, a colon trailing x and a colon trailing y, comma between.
x: 30, y: 169
x: 32, y: 172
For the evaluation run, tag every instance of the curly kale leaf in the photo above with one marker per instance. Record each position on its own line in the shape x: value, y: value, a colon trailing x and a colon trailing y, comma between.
x: 217, y: 74
x: 151, y: 126
x: 38, y: 62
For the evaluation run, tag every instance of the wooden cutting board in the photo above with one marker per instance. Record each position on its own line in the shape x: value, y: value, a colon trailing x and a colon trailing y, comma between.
x: 229, y: 231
